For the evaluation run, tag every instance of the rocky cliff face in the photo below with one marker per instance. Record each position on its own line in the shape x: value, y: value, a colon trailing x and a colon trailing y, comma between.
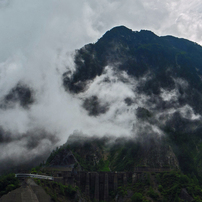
x: 63, y: 158
x: 107, y: 154
x: 148, y: 85
x: 141, y: 87
x: 158, y: 155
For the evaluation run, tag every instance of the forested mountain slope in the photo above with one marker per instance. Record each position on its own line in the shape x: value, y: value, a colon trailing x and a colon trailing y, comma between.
x: 150, y: 85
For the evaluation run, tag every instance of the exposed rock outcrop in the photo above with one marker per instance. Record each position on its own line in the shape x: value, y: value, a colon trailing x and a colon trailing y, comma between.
x: 65, y: 158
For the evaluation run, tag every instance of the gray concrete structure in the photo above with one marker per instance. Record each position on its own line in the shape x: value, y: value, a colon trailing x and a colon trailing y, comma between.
x: 28, y: 192
x: 98, y: 185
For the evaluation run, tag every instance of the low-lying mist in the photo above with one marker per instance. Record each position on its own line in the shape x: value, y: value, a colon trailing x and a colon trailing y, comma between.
x: 37, y: 113
x: 110, y: 106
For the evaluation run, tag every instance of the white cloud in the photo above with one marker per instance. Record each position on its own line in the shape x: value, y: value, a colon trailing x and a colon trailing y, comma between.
x: 169, y: 95
x: 37, y: 38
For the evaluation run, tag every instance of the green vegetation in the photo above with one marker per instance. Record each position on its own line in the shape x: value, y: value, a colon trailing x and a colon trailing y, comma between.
x: 151, y: 193
x: 53, y: 154
x: 103, y: 166
x: 162, y: 187
x: 38, y: 170
x: 137, y: 197
x: 166, y: 58
x: 138, y: 52
x: 90, y: 154
x: 58, y: 191
x: 88, y: 164
x: 123, y: 156
x: 171, y: 184
x: 188, y: 149
x: 122, y: 191
x: 8, y: 183
x: 95, y: 155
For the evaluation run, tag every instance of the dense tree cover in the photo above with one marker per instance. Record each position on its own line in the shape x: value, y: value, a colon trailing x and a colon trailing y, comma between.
x: 163, y: 187
x: 85, y: 153
x: 123, y: 157
x: 95, y: 155
x: 90, y: 154
x: 171, y: 184
x: 138, y: 53
x: 120, y: 154
x: 188, y: 149
x: 58, y: 191
x: 8, y: 183
x: 165, y: 59
x: 53, y: 154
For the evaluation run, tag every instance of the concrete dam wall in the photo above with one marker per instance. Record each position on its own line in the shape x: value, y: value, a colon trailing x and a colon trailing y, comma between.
x: 99, y: 185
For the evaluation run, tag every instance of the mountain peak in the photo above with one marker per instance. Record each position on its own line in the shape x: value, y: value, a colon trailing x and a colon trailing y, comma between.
x: 116, y: 32
x: 124, y: 32
x: 120, y: 29
x: 130, y: 70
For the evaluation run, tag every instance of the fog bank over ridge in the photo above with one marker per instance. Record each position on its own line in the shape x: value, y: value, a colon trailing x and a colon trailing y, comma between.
x: 38, y: 41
